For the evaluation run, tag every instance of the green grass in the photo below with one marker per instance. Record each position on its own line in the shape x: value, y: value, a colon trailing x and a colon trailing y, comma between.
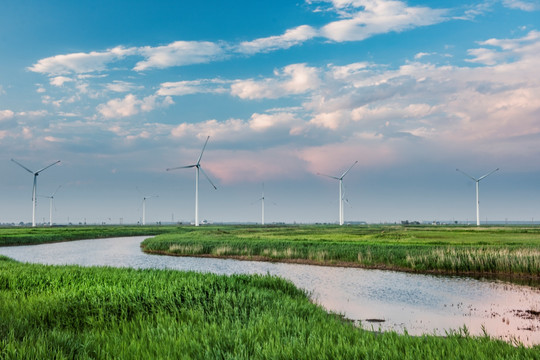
x: 70, y: 312
x: 502, y: 251
x: 27, y: 236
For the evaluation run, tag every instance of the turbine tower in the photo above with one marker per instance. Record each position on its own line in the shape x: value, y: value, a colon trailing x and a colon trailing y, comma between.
x: 477, y: 181
x: 340, y: 190
x: 51, y: 200
x: 36, y: 173
x: 198, y: 168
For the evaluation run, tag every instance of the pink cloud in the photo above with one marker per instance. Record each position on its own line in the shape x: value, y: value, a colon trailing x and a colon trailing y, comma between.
x: 336, y: 158
x: 254, y: 166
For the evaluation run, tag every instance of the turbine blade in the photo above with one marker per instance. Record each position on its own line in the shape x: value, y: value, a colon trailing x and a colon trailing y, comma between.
x: 24, y: 167
x: 330, y: 176
x: 54, y: 193
x: 467, y: 175
x: 345, y: 173
x: 48, y: 166
x: 485, y: 176
x: 181, y: 167
x: 207, y: 178
x: 204, y: 147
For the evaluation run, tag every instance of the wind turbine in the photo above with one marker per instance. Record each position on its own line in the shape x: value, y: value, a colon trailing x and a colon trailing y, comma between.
x: 36, y: 173
x: 51, y: 199
x: 197, y: 167
x: 144, y: 207
x: 262, y: 205
x: 340, y: 190
x: 477, y: 181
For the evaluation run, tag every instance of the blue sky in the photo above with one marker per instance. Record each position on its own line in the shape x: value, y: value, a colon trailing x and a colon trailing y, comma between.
x: 121, y: 90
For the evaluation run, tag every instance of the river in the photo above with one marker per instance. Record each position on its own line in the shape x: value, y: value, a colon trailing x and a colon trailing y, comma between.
x: 375, y: 299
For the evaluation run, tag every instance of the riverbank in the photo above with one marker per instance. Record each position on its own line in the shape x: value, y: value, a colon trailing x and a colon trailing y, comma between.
x: 76, y: 312
x: 15, y: 236
x: 506, y: 252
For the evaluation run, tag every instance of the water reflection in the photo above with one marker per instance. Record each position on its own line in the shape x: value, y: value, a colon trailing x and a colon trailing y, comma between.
x: 418, y: 303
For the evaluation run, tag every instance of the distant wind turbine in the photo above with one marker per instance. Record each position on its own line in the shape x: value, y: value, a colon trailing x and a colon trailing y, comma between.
x: 477, y: 181
x: 262, y: 205
x: 35, y: 173
x: 51, y: 200
x: 144, y: 207
x: 340, y: 190
x: 197, y: 167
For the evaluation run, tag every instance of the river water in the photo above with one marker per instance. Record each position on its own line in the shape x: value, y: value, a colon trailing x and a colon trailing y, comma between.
x: 375, y: 299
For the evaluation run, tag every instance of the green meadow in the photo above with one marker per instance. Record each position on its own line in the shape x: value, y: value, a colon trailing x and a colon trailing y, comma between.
x: 500, y: 251
x: 71, y: 312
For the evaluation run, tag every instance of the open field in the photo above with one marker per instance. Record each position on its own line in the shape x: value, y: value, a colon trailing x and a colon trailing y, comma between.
x: 74, y: 312
x: 41, y: 235
x: 501, y: 251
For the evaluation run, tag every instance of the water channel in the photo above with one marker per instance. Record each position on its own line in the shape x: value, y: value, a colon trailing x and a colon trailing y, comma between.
x: 375, y: 299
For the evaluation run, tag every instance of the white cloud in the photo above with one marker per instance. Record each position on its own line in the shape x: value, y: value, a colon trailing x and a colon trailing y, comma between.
x: 142, y: 135
x: 180, y: 88
x: 333, y: 120
x: 361, y: 19
x: 522, y: 5
x: 390, y: 111
x: 121, y: 86
x: 224, y: 129
x: 59, y: 80
x: 6, y: 114
x: 179, y: 53
x: 65, y: 114
x: 80, y: 62
x: 34, y: 114
x: 130, y: 105
x: 346, y: 71
x: 53, y: 139
x: 262, y: 122
x: 506, y: 49
x: 290, y: 38
x: 365, y: 18
x: 116, y: 108
x: 450, y: 104
x: 26, y: 133
x: 293, y: 79
x: 421, y: 55
x: 484, y: 56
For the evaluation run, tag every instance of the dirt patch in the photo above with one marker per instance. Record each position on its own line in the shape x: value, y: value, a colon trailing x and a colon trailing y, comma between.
x: 527, y: 314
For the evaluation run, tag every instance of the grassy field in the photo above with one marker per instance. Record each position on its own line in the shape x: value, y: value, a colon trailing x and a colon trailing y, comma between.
x: 502, y: 251
x: 26, y: 236
x: 70, y: 312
